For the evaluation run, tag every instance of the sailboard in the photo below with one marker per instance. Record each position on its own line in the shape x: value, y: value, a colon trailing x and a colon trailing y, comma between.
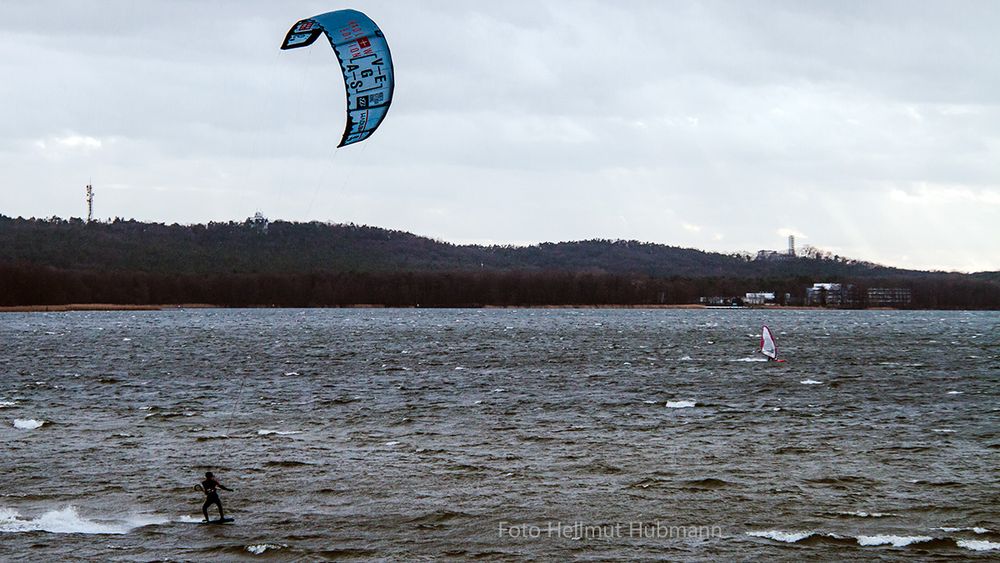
x: 767, y: 345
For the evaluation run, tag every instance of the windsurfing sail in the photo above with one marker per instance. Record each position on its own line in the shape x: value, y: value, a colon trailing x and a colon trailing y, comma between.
x: 767, y: 345
x: 365, y: 60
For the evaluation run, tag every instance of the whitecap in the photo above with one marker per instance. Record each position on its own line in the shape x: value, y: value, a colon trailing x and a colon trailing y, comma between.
x: 862, y: 514
x: 780, y: 535
x: 680, y: 404
x: 262, y: 547
x: 750, y: 360
x: 685, y: 358
x: 5, y: 404
x: 278, y: 432
x: 943, y: 430
x: 291, y: 373
x: 978, y: 545
x: 28, y: 423
x: 976, y: 529
x: 69, y: 521
x: 390, y: 444
x: 895, y: 541
x: 810, y: 382
x: 955, y: 393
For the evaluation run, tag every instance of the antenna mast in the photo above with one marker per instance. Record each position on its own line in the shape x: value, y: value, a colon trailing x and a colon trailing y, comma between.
x: 90, y: 202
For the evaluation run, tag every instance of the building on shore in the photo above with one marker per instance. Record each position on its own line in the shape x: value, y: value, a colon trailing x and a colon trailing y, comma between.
x: 888, y: 297
x: 759, y: 298
x: 721, y: 301
x: 828, y: 294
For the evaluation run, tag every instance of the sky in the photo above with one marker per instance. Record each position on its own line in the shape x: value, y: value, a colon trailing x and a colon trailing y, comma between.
x: 869, y: 129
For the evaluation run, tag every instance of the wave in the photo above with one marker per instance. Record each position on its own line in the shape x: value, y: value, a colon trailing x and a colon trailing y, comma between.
x: 750, y: 360
x: 209, y: 437
x: 339, y: 401
x: 69, y: 521
x: 975, y: 529
x: 894, y: 541
x: 841, y: 480
x: 680, y: 404
x: 278, y: 432
x: 259, y: 548
x: 5, y: 404
x: 862, y: 514
x: 810, y: 382
x: 28, y: 423
x: 287, y: 463
x: 880, y: 540
x: 793, y: 450
x: 978, y: 545
x: 164, y: 414
x: 190, y: 519
x: 436, y: 518
x: 782, y: 535
x: 707, y: 483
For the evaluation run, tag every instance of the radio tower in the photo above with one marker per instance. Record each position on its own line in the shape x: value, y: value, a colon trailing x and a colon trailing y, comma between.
x: 791, y: 245
x: 90, y: 202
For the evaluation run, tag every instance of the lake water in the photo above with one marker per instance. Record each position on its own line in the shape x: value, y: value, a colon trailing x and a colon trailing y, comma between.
x: 500, y: 434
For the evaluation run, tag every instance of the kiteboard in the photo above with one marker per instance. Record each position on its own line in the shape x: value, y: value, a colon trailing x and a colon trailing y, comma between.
x: 218, y: 521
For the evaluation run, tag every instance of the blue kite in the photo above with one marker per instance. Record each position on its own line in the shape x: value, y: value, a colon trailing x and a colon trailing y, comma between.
x: 364, y: 57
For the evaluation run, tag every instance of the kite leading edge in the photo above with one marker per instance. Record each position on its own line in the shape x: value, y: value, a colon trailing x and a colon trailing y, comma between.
x: 365, y: 60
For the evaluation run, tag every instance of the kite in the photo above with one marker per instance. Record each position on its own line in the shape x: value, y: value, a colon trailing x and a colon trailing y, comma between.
x: 364, y: 57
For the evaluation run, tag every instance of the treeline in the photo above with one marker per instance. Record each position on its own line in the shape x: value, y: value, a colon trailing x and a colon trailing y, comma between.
x: 261, y: 246
x: 29, y: 284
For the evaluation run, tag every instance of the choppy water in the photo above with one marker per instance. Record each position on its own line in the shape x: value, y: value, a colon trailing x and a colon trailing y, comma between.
x: 417, y: 434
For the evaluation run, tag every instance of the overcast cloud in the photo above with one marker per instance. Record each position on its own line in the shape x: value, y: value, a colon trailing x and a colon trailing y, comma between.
x: 870, y: 129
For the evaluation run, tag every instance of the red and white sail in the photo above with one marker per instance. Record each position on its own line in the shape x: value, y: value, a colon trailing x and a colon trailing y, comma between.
x: 767, y: 345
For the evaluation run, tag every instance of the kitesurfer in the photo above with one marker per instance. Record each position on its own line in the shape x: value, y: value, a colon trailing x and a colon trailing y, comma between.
x: 210, y: 486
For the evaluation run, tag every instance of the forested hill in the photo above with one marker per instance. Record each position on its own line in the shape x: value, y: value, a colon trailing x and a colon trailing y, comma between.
x: 257, y: 263
x: 281, y: 247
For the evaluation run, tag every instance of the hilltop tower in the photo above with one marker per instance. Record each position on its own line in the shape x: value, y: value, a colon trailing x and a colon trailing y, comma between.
x: 791, y: 245
x: 90, y: 202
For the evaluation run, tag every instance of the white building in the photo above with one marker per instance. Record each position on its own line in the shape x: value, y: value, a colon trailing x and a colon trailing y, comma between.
x: 759, y: 298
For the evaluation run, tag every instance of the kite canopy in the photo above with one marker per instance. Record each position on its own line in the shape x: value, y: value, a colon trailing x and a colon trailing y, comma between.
x: 364, y: 57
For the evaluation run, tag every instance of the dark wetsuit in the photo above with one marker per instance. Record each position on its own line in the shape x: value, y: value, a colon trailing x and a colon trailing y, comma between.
x: 212, y: 496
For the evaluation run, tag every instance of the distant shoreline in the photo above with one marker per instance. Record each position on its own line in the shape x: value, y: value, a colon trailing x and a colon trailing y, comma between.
x: 98, y: 307
x: 72, y: 307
